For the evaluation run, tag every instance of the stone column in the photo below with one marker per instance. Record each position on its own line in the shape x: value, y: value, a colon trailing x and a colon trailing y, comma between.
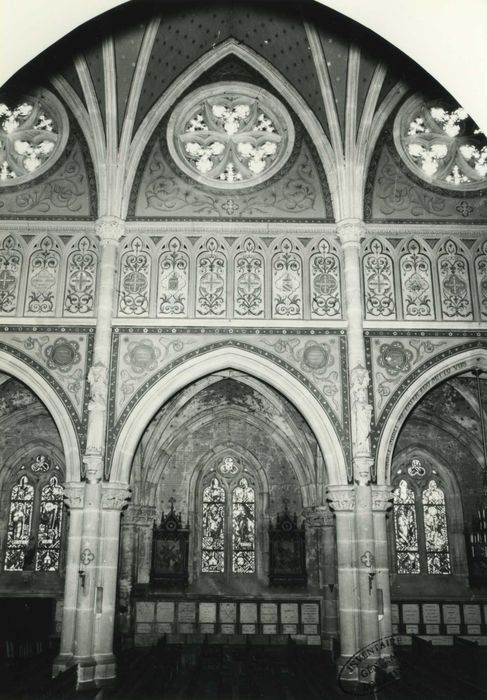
x: 145, y: 516
x: 382, y: 503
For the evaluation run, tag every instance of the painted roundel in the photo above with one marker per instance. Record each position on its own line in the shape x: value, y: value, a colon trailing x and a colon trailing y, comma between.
x: 33, y: 133
x: 230, y: 135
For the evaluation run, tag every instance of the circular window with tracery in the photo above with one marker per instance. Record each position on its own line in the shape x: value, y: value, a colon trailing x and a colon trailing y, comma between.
x: 33, y: 133
x: 442, y: 144
x: 230, y: 135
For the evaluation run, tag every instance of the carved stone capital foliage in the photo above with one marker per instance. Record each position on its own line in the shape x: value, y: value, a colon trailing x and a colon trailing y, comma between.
x: 341, y: 498
x: 110, y: 229
x: 351, y: 231
x: 114, y: 496
x: 318, y: 516
x: 74, y: 494
x: 139, y: 515
x: 382, y: 498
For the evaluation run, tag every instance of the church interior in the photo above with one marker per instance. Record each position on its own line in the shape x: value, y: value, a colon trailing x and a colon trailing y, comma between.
x: 243, y: 364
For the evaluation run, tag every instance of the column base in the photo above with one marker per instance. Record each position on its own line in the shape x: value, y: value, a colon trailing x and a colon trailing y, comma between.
x: 363, y: 675
x: 96, y: 671
x: 61, y: 663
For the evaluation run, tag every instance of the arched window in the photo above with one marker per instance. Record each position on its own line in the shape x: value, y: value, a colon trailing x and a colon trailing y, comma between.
x: 228, y: 520
x: 420, y: 522
x: 35, y: 517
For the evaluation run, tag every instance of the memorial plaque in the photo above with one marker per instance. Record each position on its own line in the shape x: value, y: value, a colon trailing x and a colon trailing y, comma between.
x: 186, y: 628
x: 207, y: 628
x: 268, y: 613
x: 289, y: 613
x: 269, y: 629
x: 248, y: 629
x: 395, y: 629
x: 144, y: 612
x: 314, y: 640
x: 310, y: 613
x: 310, y: 629
x: 248, y: 613
x: 187, y: 612
x: 289, y: 629
x: 144, y: 627
x: 412, y: 629
x: 471, y: 614
x: 453, y: 629
x: 410, y: 613
x: 228, y: 612
x: 473, y: 629
x: 451, y: 614
x: 227, y: 629
x: 395, y: 613
x: 165, y: 612
x: 431, y: 614
x: 207, y: 612
x: 164, y: 628
x: 432, y: 629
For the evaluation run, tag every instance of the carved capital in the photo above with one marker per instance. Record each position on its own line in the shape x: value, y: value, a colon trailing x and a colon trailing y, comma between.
x: 93, y: 468
x: 114, y: 496
x: 361, y: 470
x: 318, y: 516
x: 98, y: 381
x: 110, y: 229
x: 74, y: 494
x: 382, y: 498
x: 351, y: 231
x: 341, y: 498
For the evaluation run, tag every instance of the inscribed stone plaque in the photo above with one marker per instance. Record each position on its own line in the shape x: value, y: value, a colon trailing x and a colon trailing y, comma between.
x: 471, y: 614
x: 310, y: 613
x: 186, y: 627
x: 227, y: 629
x: 187, y: 612
x: 164, y: 628
x: 207, y: 612
x: 165, y: 612
x: 453, y: 629
x: 431, y: 614
x: 410, y: 613
x: 432, y: 629
x: 289, y: 613
x: 451, y: 614
x: 314, y: 640
x: 268, y: 613
x: 289, y: 629
x: 144, y: 627
x: 412, y: 629
x: 395, y: 613
x: 248, y: 613
x: 207, y: 628
x: 248, y: 629
x: 144, y: 612
x: 269, y: 629
x: 228, y: 612
x: 310, y: 629
x: 473, y: 629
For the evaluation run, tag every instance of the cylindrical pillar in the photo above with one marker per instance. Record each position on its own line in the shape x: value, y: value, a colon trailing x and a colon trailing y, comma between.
x: 381, y: 504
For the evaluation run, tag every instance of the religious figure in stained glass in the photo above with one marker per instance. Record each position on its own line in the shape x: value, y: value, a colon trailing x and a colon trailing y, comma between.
x: 50, y: 520
x: 213, y: 549
x: 406, y: 530
x: 243, y: 517
x: 19, y: 524
x: 435, y: 530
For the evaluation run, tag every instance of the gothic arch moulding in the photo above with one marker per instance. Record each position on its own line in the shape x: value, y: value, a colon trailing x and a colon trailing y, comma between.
x: 214, y: 360
x: 411, y: 392
x: 21, y: 371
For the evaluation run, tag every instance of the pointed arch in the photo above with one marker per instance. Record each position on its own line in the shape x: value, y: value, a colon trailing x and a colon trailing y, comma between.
x: 457, y: 363
x: 229, y: 47
x: 222, y: 358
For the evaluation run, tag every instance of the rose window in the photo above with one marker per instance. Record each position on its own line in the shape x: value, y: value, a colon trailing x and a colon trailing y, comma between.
x: 442, y: 144
x: 230, y: 135
x: 33, y: 133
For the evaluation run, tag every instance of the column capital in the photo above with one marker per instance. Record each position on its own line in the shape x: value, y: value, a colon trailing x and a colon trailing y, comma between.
x: 341, y: 497
x: 74, y: 494
x: 114, y: 495
x: 350, y: 231
x: 362, y: 470
x: 109, y: 229
x: 93, y: 461
x: 318, y: 516
x: 382, y: 498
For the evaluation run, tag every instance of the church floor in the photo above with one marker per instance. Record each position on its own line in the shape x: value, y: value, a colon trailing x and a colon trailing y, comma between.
x: 251, y: 673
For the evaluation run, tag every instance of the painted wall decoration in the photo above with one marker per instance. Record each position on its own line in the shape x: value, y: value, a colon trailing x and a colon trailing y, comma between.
x: 135, y: 275
x: 287, y: 282
x: 173, y: 290
x: 456, y: 299
x: 325, y: 283
x: 48, y: 275
x: 211, y: 281
x: 481, y: 278
x: 378, y: 282
x: 249, y: 273
x: 416, y: 283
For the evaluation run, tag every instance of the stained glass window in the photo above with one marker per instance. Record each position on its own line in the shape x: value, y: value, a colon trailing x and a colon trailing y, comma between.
x: 19, y: 537
x: 243, y: 526
x: 49, y: 533
x: 435, y: 530
x: 406, y: 530
x: 213, y: 544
